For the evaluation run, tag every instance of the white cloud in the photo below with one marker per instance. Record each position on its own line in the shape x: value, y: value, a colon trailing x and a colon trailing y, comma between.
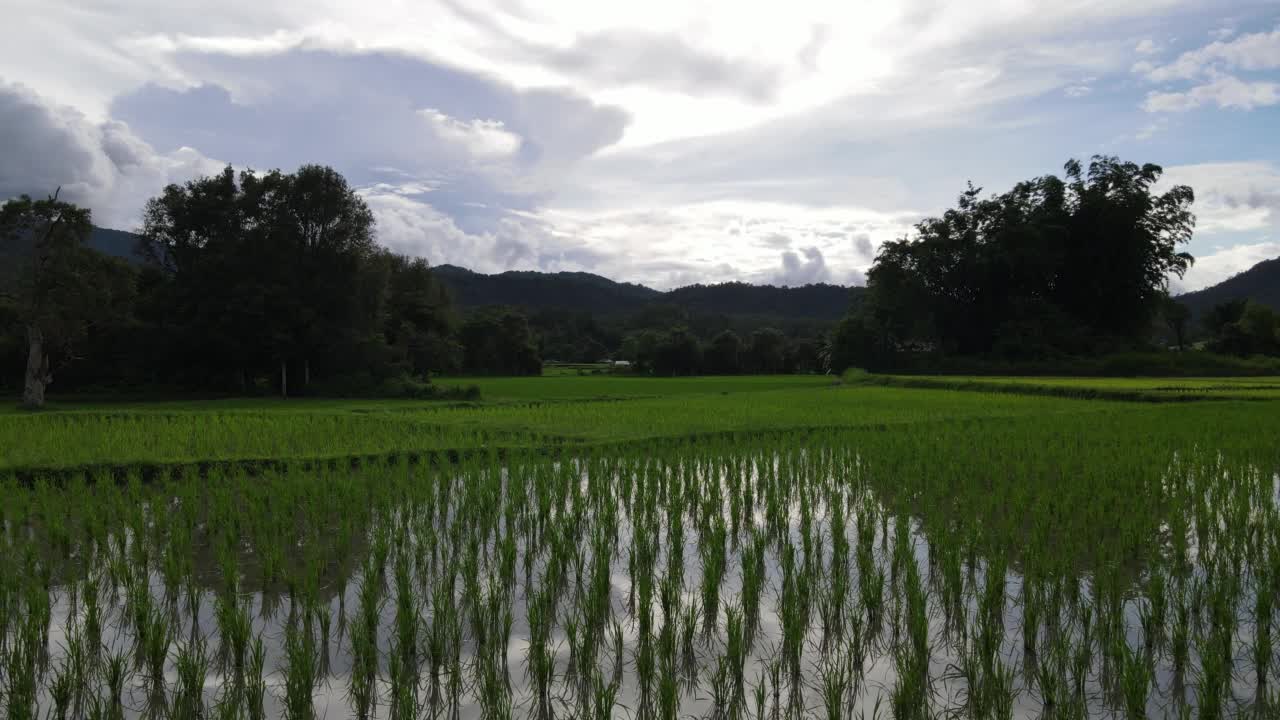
x: 667, y: 141
x: 1230, y: 197
x: 1225, y: 91
x: 1150, y: 130
x: 482, y: 139
x: 1215, y: 267
x: 1255, y: 51
x: 719, y: 241
x: 416, y: 228
x: 718, y: 65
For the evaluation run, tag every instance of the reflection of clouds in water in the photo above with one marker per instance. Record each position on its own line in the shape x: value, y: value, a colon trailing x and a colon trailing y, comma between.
x: 862, y: 510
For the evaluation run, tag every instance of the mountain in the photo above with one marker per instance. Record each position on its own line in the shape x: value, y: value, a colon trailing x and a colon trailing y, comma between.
x: 537, y: 290
x: 116, y: 243
x: 1260, y: 283
x: 600, y: 295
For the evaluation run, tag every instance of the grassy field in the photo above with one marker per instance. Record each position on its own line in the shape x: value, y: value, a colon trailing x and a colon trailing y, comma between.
x: 721, y: 548
x: 1159, y: 389
x: 272, y: 429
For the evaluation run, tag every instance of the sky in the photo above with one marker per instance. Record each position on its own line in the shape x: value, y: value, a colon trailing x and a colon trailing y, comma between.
x: 660, y: 142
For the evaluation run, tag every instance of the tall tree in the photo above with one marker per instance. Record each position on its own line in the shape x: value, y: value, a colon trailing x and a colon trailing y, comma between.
x: 766, y: 351
x: 1176, y: 316
x: 267, y: 270
x: 723, y: 354
x: 57, y: 287
x: 1052, y: 263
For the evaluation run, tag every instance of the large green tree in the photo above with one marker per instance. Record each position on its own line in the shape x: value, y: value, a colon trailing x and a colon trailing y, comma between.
x: 266, y: 271
x: 1053, y: 265
x: 56, y: 287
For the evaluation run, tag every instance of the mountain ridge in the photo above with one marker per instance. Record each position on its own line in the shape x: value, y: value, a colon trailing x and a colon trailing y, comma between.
x: 536, y: 290
x: 1260, y: 283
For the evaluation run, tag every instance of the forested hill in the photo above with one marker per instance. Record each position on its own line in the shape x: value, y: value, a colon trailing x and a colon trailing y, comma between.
x: 1260, y: 283
x: 537, y: 290
x: 584, y: 291
x: 116, y: 243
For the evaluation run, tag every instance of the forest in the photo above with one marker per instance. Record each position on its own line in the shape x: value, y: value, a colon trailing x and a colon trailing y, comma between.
x: 275, y: 283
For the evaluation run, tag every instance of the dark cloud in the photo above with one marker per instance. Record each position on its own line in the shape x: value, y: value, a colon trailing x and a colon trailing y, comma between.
x: 102, y: 166
x: 812, y: 268
x: 863, y: 247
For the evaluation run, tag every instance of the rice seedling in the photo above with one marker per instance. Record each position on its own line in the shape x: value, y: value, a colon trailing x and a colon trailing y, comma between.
x: 1114, y: 562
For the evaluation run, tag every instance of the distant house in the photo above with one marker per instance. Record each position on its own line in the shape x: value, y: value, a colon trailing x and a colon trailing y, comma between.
x: 621, y: 363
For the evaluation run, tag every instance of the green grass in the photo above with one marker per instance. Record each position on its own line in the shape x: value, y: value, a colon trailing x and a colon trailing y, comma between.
x: 1157, y: 389
x: 261, y: 430
x: 570, y: 386
x: 866, y: 551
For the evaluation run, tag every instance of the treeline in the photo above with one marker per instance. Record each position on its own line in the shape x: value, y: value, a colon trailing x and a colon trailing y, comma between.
x: 257, y: 283
x: 765, y: 351
x: 248, y: 283
x: 610, y: 300
x: 584, y: 336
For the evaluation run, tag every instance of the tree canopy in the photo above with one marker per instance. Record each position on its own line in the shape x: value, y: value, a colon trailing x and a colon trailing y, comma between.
x: 1054, y: 265
x: 54, y: 289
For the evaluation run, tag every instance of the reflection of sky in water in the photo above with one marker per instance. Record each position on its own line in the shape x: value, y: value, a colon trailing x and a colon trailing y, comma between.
x: 874, y: 685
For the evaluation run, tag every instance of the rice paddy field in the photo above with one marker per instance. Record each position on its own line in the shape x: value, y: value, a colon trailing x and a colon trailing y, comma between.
x: 738, y: 548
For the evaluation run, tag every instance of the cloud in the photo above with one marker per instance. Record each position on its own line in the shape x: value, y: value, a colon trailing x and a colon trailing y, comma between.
x: 479, y: 146
x: 1255, y: 51
x: 796, y: 271
x: 1225, y: 91
x: 622, y: 58
x: 863, y: 246
x: 667, y: 142
x: 483, y: 139
x: 100, y: 165
x: 1213, y: 268
x: 415, y: 227
x: 1230, y: 197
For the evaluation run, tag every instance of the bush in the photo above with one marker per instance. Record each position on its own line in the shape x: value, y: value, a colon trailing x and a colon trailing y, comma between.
x: 397, y: 386
x: 855, y: 376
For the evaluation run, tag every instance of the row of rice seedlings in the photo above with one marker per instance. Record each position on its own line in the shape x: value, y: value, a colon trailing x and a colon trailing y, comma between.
x: 846, y: 569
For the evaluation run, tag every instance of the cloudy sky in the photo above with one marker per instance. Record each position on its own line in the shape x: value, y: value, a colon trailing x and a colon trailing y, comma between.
x: 658, y: 142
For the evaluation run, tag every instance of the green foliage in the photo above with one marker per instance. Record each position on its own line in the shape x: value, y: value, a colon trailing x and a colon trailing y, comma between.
x: 855, y: 376
x: 1082, y: 558
x: 53, y: 289
x: 497, y: 341
x: 1244, y: 327
x: 1050, y: 267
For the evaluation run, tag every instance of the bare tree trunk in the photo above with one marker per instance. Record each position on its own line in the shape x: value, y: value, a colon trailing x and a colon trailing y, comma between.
x: 284, y: 379
x: 306, y: 373
x: 38, y: 375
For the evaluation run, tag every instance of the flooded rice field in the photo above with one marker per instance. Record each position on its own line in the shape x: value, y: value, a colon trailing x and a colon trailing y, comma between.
x: 825, y: 575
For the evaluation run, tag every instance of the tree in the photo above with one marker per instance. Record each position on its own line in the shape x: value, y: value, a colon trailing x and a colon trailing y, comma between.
x: 723, y: 354
x: 419, y: 318
x: 1052, y: 265
x: 57, y: 287
x: 1244, y: 327
x: 1176, y: 315
x: 766, y: 351
x: 803, y: 356
x: 677, y: 353
x: 260, y: 272
x: 497, y: 341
